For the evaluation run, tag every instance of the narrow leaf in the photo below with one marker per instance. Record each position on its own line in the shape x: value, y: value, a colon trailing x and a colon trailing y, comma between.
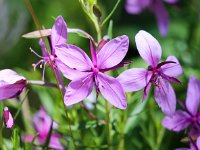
x: 110, y: 29
x: 37, y: 34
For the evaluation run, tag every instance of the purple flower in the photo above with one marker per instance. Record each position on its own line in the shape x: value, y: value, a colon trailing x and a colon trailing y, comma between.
x: 87, y: 74
x: 42, y: 124
x: 157, y: 73
x: 193, y: 145
x: 182, y: 119
x: 7, y: 118
x: 58, y: 36
x: 156, y: 6
x: 11, y: 84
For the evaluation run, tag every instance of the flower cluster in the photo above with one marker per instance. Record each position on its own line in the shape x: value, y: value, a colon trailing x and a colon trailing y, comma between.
x: 91, y: 74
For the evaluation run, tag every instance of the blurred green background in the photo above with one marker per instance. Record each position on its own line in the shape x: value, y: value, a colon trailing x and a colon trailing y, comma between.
x: 144, y: 129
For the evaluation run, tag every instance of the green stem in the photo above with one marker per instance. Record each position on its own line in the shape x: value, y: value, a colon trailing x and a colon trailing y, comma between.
x: 111, y: 13
x: 98, y: 30
x: 108, y: 127
x: 21, y: 103
x: 25, y: 109
x: 42, y: 83
x: 123, y: 123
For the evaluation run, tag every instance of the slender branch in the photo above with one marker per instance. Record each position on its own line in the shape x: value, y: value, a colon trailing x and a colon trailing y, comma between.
x: 24, y: 107
x: 74, y: 30
x: 42, y: 83
x: 108, y: 127
x: 108, y: 17
x: 21, y: 103
x: 91, y: 115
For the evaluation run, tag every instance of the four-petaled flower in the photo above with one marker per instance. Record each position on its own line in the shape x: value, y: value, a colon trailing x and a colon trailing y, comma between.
x: 157, y: 73
x: 182, y: 119
x: 11, y: 84
x: 42, y: 124
x: 156, y: 6
x: 87, y: 73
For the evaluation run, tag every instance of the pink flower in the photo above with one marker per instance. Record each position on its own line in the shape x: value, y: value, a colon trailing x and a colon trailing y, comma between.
x: 87, y: 74
x: 158, y: 73
x: 7, y: 118
x: 11, y: 84
x: 42, y: 124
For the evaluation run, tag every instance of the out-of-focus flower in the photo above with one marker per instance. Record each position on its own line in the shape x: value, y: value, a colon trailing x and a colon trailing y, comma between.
x: 193, y: 145
x: 156, y: 6
x: 182, y: 119
x: 87, y: 73
x: 11, y: 84
x: 42, y: 124
x: 157, y: 73
x: 7, y: 118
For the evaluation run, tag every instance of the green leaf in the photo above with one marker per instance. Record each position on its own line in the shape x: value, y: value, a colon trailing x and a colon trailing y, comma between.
x: 110, y: 29
x: 134, y: 116
x: 15, y: 139
x: 37, y: 34
x: 1, y: 109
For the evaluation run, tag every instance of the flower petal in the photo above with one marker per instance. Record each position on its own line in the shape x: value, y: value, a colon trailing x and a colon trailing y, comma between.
x: 198, y: 142
x: 10, y: 76
x: 55, y: 143
x: 193, y: 95
x: 133, y: 79
x: 172, y: 69
x: 42, y: 122
x: 148, y: 48
x: 43, y: 47
x: 146, y: 90
x: 136, y: 6
x: 74, y: 57
x: 113, y: 52
x: 68, y: 72
x: 177, y: 122
x: 59, y: 32
x: 165, y: 97
x: 161, y: 16
x: 79, y: 89
x: 11, y: 90
x: 28, y: 138
x: 111, y: 90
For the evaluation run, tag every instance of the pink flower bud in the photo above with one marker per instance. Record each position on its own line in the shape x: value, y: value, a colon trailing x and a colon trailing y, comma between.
x: 7, y: 118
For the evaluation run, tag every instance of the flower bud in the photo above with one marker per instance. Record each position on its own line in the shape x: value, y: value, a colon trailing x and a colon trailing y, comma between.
x: 7, y: 118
